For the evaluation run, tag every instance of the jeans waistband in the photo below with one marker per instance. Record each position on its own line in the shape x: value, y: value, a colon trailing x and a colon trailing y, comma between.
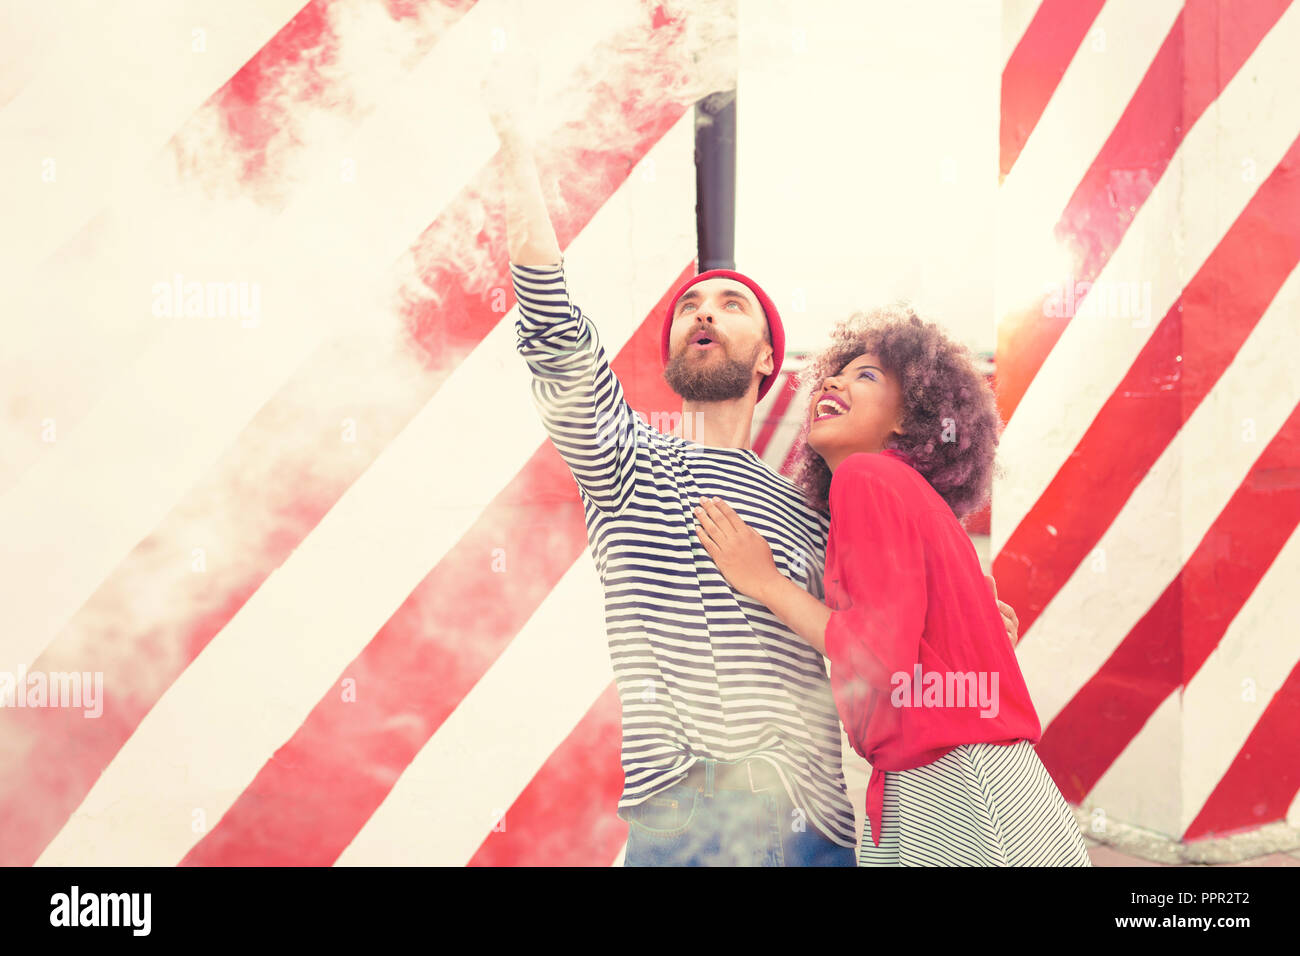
x: 753, y: 775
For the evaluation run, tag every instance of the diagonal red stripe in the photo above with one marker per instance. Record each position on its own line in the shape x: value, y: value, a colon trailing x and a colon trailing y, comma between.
x: 312, y: 798
x: 51, y: 764
x: 775, y: 413
x: 1201, y: 53
x: 1035, y: 68
x: 1166, y: 648
x: 1185, y: 355
x: 565, y: 815
x: 1265, y: 776
x: 299, y: 65
x: 787, y: 464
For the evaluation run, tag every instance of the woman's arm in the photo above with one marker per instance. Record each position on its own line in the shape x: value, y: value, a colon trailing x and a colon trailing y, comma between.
x: 887, y: 546
x: 798, y: 610
x: 880, y: 560
x: 877, y: 631
x: 745, y: 560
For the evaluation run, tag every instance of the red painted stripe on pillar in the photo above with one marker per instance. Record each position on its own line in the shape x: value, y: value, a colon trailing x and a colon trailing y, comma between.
x: 1264, y: 778
x: 297, y: 65
x: 1166, y: 648
x: 566, y: 815
x: 312, y: 798
x: 788, y: 464
x: 1221, y: 306
x: 780, y: 404
x: 1035, y: 67
x: 300, y: 65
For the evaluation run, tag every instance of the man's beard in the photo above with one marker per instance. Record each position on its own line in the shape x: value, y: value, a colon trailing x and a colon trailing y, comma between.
x: 710, y: 381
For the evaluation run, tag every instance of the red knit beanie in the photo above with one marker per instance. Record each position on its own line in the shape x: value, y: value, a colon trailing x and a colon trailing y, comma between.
x: 769, y: 308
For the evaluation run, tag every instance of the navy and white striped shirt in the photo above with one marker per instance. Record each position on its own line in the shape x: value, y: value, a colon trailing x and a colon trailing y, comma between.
x: 701, y: 670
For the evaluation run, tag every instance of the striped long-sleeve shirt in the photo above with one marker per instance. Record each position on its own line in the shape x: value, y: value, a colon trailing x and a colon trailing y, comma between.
x: 702, y: 671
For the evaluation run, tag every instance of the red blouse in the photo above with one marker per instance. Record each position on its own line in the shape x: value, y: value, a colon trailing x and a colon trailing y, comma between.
x: 920, y: 660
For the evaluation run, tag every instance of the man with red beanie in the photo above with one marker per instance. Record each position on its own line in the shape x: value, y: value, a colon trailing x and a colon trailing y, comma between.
x: 731, y: 739
x: 710, y: 299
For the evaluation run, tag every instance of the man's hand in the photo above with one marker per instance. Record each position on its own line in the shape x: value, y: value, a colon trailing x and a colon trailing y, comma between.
x: 1009, y: 619
x: 739, y: 551
x: 508, y: 93
x: 530, y: 237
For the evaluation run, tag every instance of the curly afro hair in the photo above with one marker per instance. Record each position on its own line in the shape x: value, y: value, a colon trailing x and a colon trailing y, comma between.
x: 949, y: 413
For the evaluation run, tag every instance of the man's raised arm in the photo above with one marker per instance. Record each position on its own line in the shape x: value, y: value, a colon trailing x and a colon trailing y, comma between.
x: 577, y: 394
x: 530, y: 237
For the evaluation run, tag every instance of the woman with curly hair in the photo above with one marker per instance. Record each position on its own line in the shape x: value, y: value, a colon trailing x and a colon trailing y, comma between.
x: 899, y: 445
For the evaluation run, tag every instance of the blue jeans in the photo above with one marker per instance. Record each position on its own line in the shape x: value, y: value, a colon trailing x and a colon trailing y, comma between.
x: 687, y: 825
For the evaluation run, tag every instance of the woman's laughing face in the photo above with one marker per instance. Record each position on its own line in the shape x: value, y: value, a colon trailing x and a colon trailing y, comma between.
x: 858, y: 410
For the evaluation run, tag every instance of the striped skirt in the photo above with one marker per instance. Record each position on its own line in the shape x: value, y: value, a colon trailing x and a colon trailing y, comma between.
x: 977, y: 805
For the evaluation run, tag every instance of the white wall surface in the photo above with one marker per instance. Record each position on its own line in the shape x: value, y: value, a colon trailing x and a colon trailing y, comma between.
x: 867, y: 159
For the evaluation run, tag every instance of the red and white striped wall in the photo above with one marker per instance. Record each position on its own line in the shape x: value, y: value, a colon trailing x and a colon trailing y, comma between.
x: 1149, y: 312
